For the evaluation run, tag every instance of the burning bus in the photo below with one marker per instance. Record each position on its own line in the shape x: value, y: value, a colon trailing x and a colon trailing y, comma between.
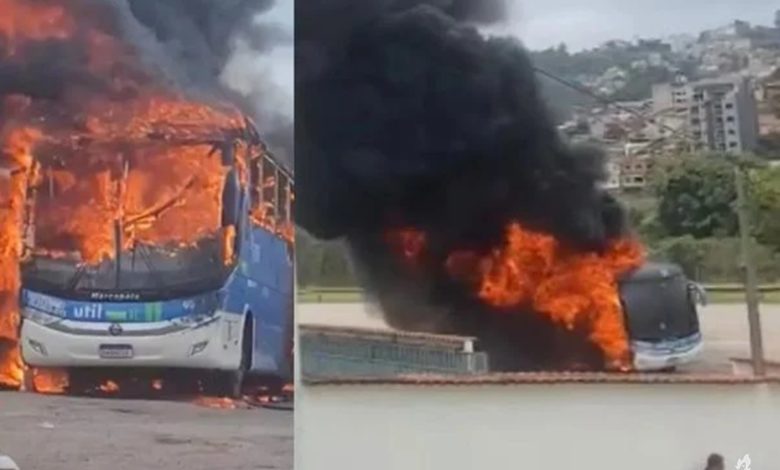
x: 197, y: 275
x: 536, y: 305
x: 429, y: 149
x: 143, y: 222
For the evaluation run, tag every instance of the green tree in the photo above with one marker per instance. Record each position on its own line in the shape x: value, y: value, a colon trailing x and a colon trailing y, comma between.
x: 322, y: 263
x: 685, y: 251
x: 765, y: 196
x: 696, y: 196
x: 308, y: 259
x: 716, y: 259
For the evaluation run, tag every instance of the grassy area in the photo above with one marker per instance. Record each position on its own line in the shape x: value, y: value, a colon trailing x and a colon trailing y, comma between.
x: 334, y: 296
x: 739, y: 297
x: 329, y: 297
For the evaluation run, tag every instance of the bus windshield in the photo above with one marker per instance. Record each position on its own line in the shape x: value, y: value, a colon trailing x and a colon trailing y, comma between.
x: 147, y: 223
x: 145, y: 272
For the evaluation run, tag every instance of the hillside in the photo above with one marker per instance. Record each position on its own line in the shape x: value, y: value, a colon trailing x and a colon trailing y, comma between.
x: 626, y: 71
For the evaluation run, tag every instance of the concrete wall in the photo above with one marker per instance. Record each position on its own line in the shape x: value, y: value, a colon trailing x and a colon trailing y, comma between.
x: 535, y: 426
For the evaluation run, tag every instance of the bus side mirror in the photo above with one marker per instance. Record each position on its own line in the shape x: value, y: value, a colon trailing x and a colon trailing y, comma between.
x: 697, y: 293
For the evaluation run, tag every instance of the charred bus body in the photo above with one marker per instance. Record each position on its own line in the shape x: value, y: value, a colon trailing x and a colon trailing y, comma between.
x: 167, y: 291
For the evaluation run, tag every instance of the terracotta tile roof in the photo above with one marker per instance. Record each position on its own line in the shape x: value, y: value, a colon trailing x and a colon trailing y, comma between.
x: 547, y: 378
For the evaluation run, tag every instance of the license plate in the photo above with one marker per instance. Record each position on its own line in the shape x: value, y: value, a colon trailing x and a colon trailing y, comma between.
x: 116, y: 351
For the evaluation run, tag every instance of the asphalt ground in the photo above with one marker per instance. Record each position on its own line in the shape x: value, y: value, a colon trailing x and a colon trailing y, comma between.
x: 45, y: 432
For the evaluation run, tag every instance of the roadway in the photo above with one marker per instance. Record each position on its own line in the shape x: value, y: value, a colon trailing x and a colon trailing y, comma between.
x: 724, y: 327
x: 56, y: 432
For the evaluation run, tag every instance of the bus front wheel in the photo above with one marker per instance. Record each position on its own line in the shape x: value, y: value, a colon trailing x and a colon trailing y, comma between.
x: 231, y: 383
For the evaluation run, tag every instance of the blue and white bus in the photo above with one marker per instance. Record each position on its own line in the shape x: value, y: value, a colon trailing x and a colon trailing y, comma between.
x: 222, y: 306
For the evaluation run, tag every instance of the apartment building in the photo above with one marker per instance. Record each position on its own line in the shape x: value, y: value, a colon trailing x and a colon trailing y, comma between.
x: 768, y: 103
x: 719, y: 114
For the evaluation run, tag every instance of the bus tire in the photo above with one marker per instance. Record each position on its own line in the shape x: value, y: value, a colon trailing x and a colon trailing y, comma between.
x: 236, y: 383
x: 247, y: 344
x: 231, y: 383
x: 81, y: 383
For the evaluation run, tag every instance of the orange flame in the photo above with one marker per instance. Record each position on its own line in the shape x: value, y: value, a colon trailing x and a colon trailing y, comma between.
x: 264, y: 214
x: 16, y: 147
x: 109, y: 386
x: 49, y: 381
x: 125, y: 151
x: 223, y: 403
x: 535, y: 270
x: 23, y: 21
x: 408, y: 242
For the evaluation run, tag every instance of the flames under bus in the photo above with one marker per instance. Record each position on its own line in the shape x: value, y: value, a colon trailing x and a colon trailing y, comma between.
x: 220, y: 302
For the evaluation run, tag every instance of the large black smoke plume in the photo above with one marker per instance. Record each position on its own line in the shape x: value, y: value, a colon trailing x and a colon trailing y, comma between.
x: 243, y: 48
x: 408, y: 116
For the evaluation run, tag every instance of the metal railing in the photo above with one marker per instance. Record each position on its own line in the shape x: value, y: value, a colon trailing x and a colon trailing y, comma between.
x: 351, y: 352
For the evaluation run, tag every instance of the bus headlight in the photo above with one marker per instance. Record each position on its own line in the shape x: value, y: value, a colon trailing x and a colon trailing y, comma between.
x: 195, y: 320
x: 41, y: 318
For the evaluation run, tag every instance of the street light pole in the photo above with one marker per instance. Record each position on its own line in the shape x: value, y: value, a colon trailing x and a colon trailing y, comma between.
x: 751, y: 289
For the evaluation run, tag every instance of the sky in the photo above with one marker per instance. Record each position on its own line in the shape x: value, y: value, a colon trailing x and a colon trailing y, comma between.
x: 585, y: 24
x: 269, y: 74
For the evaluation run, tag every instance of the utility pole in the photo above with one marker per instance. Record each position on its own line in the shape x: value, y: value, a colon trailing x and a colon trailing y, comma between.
x: 751, y: 288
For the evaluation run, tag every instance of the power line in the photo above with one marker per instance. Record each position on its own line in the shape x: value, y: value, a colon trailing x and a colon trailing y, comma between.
x: 751, y: 296
x: 611, y: 102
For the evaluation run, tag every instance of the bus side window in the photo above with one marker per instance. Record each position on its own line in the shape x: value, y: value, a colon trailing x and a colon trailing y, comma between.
x: 288, y: 229
x: 281, y: 199
x: 255, y: 178
x: 270, y: 182
x: 264, y: 198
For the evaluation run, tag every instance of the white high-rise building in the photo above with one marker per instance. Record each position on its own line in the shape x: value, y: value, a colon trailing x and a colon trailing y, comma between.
x: 720, y: 114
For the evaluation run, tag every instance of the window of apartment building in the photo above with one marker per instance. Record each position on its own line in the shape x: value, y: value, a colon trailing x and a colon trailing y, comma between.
x: 694, y: 109
x: 729, y: 105
x: 732, y: 144
x: 730, y: 118
x: 732, y: 132
x: 719, y: 120
x: 695, y: 121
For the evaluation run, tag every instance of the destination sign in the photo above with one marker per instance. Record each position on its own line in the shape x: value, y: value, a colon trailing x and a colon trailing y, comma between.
x: 108, y: 311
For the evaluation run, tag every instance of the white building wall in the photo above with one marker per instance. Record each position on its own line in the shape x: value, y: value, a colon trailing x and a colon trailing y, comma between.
x: 534, y: 426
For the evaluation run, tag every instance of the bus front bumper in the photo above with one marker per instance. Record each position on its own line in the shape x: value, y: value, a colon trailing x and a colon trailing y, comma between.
x: 211, y: 345
x: 666, y: 354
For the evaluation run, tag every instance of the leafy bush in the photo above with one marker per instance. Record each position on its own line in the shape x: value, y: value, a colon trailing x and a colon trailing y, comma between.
x: 716, y: 259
